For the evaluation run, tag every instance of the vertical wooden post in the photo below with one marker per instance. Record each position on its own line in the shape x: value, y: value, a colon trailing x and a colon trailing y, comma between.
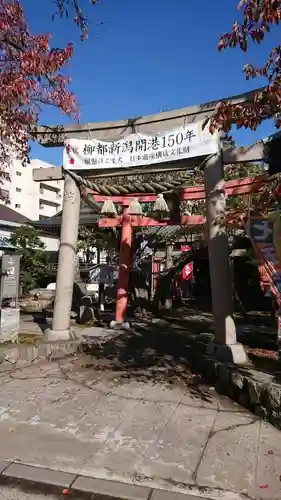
x: 169, y: 264
x: 152, y: 286
x: 173, y: 202
x: 101, y: 299
x: 124, y: 268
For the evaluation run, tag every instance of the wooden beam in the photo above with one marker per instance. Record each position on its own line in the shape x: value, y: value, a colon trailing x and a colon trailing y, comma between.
x: 244, y: 155
x: 235, y: 187
x: 143, y: 221
x: 124, y: 200
x: 110, y: 221
x: 234, y: 219
x: 55, y: 135
x: 47, y: 174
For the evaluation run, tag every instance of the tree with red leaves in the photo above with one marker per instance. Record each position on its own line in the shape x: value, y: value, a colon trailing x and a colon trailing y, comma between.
x: 31, y: 75
x: 258, y: 17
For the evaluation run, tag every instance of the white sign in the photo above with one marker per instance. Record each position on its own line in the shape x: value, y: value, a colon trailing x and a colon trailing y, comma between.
x: 5, y: 238
x: 137, y: 150
x: 9, y: 322
x: 102, y: 274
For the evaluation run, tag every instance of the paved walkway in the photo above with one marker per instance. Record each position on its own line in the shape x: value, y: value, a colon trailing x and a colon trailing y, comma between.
x: 86, y: 418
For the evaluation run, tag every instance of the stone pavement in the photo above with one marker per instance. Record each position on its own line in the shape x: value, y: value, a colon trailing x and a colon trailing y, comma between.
x: 74, y: 416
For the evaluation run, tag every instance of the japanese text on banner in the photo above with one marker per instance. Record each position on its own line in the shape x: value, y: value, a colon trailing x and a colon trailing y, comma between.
x: 138, y: 150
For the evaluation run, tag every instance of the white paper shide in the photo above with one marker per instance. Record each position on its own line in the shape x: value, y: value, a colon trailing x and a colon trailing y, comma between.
x: 137, y: 150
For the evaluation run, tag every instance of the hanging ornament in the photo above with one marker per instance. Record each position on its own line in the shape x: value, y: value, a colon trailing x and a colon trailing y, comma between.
x: 108, y: 209
x: 161, y: 208
x: 135, y: 207
x: 188, y: 208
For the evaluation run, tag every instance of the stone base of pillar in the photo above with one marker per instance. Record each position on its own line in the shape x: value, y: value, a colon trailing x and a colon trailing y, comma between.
x: 119, y: 325
x: 52, y: 335
x: 234, y: 353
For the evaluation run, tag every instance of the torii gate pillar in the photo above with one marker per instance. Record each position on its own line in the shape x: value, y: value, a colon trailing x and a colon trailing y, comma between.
x: 225, y: 346
x: 67, y: 262
x: 123, y: 279
x: 67, y: 251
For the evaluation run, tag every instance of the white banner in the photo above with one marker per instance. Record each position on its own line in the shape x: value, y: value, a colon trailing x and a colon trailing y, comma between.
x: 137, y: 150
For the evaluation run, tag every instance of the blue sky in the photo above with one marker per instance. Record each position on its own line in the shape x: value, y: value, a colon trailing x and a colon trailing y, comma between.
x: 148, y: 56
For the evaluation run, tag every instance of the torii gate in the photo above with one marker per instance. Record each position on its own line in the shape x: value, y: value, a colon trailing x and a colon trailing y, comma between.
x: 225, y: 346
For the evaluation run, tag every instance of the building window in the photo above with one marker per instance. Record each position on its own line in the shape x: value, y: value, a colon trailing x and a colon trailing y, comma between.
x: 17, y: 205
x: 18, y: 173
x: 18, y: 190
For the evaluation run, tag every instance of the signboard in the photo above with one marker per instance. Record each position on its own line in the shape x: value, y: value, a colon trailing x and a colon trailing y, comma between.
x: 137, y: 150
x: 10, y: 276
x: 265, y: 237
x: 262, y: 231
x: 9, y: 311
x: 103, y: 274
x: 9, y: 321
x: 5, y: 239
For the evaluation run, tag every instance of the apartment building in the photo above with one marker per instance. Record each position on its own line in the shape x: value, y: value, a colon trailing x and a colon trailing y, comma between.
x: 32, y: 199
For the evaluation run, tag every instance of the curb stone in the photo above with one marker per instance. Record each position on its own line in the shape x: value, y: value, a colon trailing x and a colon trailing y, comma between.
x: 257, y: 391
x: 49, y: 481
x: 14, y: 354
